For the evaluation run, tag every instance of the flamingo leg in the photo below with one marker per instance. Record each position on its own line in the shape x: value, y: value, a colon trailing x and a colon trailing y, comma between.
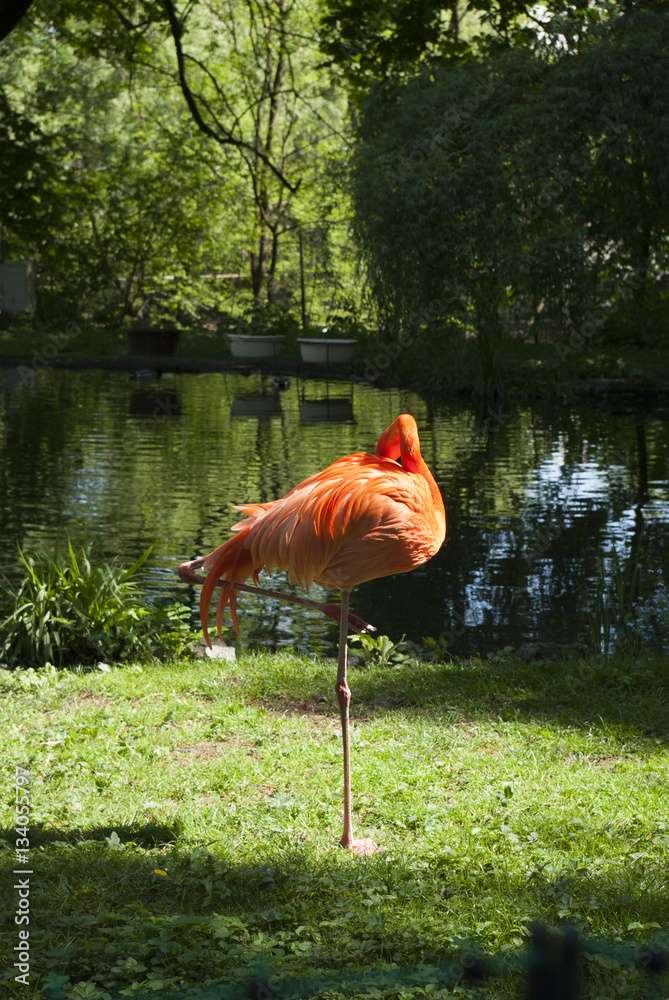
x: 187, y: 573
x: 359, y: 845
x: 344, y: 697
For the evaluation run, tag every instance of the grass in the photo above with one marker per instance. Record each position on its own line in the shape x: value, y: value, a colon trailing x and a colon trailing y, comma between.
x: 185, y: 816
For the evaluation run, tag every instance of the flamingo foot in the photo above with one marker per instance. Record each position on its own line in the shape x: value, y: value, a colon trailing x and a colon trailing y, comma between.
x: 364, y: 847
x: 186, y: 570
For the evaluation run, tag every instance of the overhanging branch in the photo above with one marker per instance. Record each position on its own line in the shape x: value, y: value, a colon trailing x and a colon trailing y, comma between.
x: 219, y: 134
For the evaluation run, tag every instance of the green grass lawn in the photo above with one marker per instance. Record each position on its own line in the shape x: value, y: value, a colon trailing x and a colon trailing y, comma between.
x: 186, y: 816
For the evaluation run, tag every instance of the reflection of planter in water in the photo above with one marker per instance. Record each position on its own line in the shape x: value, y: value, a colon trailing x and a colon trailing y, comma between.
x: 326, y: 350
x: 256, y: 406
x: 149, y: 341
x: 319, y: 411
x: 155, y: 403
x: 247, y: 345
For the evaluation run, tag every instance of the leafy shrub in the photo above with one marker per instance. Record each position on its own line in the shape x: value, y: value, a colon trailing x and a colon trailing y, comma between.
x: 342, y: 323
x: 269, y: 319
x: 380, y: 651
x: 67, y: 609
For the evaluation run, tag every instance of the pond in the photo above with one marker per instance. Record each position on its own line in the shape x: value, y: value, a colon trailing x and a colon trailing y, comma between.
x: 545, y: 504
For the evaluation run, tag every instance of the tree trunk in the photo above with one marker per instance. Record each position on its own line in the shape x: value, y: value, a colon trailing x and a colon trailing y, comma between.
x: 273, y: 259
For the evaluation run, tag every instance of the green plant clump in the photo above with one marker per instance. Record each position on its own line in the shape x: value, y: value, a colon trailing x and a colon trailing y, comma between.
x: 68, y: 609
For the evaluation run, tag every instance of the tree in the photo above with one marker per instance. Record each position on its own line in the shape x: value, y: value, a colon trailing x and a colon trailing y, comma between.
x: 373, y: 40
x: 90, y: 169
x: 521, y: 194
x: 259, y: 75
x: 627, y: 125
x: 150, y: 189
x: 27, y: 172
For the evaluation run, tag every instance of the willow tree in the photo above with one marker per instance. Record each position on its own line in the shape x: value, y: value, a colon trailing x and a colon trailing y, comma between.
x: 524, y: 194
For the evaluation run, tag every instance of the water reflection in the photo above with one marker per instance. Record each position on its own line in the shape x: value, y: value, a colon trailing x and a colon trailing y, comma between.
x: 538, y: 499
x: 328, y: 411
x: 261, y: 405
x: 326, y: 402
x: 146, y: 401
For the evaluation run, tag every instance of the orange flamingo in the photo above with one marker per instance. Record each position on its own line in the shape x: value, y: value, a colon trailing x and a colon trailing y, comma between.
x: 363, y: 517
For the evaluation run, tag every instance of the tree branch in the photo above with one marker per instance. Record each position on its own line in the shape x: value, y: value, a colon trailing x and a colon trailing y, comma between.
x: 222, y: 136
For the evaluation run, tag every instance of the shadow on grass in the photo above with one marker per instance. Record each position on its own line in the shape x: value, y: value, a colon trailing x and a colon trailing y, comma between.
x: 118, y: 914
x: 150, y: 835
x: 630, y: 695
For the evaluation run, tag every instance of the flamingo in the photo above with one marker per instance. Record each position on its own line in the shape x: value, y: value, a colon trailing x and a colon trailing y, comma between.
x: 363, y: 517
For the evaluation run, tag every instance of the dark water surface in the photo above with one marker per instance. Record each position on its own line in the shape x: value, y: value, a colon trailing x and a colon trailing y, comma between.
x: 540, y: 500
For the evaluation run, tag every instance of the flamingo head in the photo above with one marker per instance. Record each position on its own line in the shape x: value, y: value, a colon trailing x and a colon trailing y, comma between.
x: 399, y: 441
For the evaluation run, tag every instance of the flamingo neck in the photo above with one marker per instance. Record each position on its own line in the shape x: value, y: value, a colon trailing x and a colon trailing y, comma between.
x: 435, y: 492
x: 400, y: 440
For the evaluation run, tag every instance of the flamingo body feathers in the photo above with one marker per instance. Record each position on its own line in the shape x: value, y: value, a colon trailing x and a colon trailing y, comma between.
x: 362, y: 517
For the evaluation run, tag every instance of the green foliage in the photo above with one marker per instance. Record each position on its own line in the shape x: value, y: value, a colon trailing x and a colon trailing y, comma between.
x: 373, y: 40
x: 268, y: 319
x: 380, y: 651
x: 436, y: 649
x: 509, y: 173
x: 27, y: 170
x: 344, y: 323
x: 497, y: 198
x: 105, y: 175
x: 70, y: 609
x: 139, y: 210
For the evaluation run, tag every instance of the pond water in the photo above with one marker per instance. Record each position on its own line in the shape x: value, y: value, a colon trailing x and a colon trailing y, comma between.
x: 542, y: 502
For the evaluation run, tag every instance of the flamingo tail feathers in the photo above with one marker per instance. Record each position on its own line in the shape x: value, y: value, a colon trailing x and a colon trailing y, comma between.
x: 231, y: 562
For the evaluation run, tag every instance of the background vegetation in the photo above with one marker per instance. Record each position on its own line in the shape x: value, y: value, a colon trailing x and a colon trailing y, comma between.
x: 457, y: 177
x: 127, y: 204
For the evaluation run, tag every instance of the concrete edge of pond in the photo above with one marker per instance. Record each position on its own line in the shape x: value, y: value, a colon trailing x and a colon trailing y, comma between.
x: 166, y: 363
x: 134, y: 363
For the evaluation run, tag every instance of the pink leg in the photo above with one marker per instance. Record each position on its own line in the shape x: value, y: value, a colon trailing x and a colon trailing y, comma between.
x: 362, y: 846
x: 187, y: 573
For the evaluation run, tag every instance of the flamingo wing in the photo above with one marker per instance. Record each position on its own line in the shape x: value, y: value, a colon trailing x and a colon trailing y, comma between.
x: 360, y: 518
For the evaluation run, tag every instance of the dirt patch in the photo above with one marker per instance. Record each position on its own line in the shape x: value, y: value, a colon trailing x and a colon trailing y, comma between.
x: 93, y: 699
x: 315, y: 714
x: 181, y: 698
x: 606, y: 760
x: 211, y: 749
x: 206, y: 750
x: 209, y: 800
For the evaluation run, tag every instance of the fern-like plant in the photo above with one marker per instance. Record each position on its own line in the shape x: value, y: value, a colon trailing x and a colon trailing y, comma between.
x: 68, y: 609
